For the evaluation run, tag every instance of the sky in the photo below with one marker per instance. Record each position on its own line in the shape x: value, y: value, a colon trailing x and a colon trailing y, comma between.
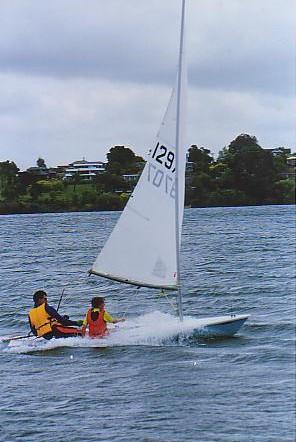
x: 78, y: 77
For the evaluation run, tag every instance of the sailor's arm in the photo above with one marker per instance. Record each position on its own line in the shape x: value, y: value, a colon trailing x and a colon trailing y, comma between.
x: 109, y: 318
x: 62, y: 320
x: 84, y: 325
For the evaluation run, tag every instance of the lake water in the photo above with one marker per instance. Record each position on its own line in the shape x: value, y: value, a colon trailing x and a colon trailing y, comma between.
x: 146, y: 386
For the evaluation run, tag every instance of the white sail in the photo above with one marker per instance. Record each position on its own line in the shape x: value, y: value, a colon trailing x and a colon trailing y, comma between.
x: 142, y: 248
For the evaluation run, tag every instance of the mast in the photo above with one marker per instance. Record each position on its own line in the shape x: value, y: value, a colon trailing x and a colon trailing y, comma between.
x: 178, y: 147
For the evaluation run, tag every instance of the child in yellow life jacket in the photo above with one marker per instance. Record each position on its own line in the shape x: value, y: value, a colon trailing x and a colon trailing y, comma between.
x: 96, y: 319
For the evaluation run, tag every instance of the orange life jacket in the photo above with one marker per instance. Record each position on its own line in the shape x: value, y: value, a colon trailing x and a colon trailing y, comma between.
x: 97, y: 328
x: 40, y: 320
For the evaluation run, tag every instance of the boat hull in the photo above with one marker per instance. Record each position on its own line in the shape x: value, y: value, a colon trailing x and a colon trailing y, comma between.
x: 221, y: 326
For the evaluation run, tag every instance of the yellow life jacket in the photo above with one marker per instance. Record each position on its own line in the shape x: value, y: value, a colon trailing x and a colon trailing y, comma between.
x: 40, y: 320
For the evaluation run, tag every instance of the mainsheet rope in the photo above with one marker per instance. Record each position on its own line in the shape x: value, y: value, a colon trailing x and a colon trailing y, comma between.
x: 125, y: 313
x: 163, y: 293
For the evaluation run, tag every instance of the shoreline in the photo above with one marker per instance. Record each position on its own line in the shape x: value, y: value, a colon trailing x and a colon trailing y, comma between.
x: 88, y: 210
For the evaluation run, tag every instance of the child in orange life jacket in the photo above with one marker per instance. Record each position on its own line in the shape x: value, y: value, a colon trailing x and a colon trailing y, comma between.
x: 96, y: 319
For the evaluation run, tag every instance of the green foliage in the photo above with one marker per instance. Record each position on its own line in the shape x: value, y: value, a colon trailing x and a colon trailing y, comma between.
x: 25, y: 179
x: 109, y: 201
x: 114, y: 168
x: 122, y: 155
x: 44, y: 186
x: 280, y: 163
x: 76, y: 179
x: 228, y: 197
x: 122, y: 160
x: 41, y: 163
x: 243, y: 174
x: 53, y: 185
x: 88, y: 196
x: 109, y: 182
x: 284, y: 191
x: 201, y: 157
x: 249, y: 168
x: 8, y: 180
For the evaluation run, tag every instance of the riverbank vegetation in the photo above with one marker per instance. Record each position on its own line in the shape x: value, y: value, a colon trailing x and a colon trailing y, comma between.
x: 243, y: 174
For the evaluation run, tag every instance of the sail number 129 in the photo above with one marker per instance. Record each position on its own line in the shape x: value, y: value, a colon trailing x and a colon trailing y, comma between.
x: 164, y: 156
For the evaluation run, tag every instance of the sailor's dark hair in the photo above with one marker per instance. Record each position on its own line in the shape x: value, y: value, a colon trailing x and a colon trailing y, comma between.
x: 97, y: 301
x: 38, y: 295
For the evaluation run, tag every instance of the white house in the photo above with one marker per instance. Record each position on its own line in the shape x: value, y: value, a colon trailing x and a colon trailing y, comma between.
x: 86, y: 169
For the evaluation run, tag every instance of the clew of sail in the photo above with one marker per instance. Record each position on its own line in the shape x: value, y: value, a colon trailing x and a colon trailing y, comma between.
x: 142, y: 248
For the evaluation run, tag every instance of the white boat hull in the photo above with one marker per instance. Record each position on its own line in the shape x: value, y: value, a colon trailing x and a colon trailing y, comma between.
x: 220, y: 326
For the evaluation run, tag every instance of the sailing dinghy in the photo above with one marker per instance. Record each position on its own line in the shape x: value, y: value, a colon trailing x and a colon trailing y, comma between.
x: 144, y: 247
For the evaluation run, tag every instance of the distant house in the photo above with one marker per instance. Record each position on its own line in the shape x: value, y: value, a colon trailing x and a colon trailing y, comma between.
x: 291, y: 163
x: 189, y: 166
x: 279, y: 151
x: 41, y: 172
x: 60, y: 171
x: 131, y: 178
x: 86, y: 169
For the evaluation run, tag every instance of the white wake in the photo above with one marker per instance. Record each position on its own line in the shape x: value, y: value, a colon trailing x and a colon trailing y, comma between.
x: 154, y: 329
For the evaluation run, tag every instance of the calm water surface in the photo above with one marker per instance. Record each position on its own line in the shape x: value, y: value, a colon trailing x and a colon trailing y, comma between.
x: 146, y: 386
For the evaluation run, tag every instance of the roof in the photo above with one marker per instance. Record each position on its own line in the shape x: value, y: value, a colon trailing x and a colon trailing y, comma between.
x: 85, y: 162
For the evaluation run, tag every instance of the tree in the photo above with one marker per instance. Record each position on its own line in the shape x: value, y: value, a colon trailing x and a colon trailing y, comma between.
x: 284, y: 191
x: 115, y: 168
x: 8, y: 171
x: 250, y: 168
x: 76, y: 179
x: 200, y: 182
x: 87, y: 197
x: 8, y: 179
x: 41, y: 163
x: 25, y: 179
x: 201, y: 187
x: 201, y: 157
x: 280, y: 162
x: 121, y: 154
x: 109, y: 201
x: 109, y: 182
x: 35, y: 190
x: 123, y: 160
